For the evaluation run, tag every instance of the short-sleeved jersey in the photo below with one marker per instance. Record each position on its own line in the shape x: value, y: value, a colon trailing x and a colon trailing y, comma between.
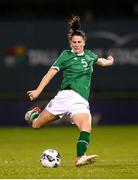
x: 77, y: 70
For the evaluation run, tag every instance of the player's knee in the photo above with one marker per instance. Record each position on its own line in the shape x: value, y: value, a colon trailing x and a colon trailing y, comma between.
x: 86, y: 128
x: 89, y: 129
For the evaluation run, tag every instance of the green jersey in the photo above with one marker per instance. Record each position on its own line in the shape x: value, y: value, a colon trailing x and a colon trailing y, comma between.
x: 77, y: 70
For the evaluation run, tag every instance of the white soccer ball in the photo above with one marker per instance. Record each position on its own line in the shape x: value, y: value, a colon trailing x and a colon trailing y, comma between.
x: 50, y: 158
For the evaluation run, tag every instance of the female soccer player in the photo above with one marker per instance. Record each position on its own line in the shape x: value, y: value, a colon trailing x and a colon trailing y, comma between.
x: 72, y: 99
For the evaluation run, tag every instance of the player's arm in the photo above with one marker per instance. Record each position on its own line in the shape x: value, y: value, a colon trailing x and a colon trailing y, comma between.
x: 105, y: 61
x: 33, y: 94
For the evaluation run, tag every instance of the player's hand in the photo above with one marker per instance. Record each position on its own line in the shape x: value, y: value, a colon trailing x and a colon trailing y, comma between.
x: 33, y: 94
x: 110, y: 58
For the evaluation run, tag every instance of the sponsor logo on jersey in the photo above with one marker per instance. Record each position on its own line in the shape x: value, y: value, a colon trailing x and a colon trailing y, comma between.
x: 75, y: 58
x: 87, y: 57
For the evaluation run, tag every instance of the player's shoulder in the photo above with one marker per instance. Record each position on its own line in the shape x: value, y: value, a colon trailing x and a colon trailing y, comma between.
x: 67, y: 52
x: 90, y: 52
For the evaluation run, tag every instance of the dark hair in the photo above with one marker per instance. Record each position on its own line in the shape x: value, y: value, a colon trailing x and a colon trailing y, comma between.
x: 75, y: 28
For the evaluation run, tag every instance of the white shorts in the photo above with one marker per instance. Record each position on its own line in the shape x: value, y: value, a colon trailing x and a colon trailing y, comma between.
x: 68, y: 102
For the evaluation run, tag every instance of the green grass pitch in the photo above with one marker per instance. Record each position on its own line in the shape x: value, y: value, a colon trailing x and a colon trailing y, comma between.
x: 21, y: 147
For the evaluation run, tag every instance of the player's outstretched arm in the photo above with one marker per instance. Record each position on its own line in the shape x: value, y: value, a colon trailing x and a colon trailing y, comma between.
x: 105, y: 62
x: 33, y: 94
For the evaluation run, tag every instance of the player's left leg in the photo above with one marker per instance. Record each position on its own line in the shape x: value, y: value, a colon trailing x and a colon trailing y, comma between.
x: 83, y: 122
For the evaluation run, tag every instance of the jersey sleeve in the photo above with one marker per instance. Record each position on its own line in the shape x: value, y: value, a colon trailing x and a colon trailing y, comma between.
x: 94, y: 56
x: 59, y: 63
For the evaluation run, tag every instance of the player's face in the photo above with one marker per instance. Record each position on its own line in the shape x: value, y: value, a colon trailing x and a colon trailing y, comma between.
x: 77, y: 44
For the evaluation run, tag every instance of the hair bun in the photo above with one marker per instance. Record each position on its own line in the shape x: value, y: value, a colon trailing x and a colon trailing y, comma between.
x: 74, y: 23
x: 75, y: 28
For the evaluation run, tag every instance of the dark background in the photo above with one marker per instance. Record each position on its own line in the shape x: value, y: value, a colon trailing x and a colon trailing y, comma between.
x: 33, y: 33
x: 61, y: 9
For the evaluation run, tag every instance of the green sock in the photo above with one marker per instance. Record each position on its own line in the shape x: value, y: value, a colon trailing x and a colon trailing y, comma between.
x: 33, y: 116
x: 83, y: 143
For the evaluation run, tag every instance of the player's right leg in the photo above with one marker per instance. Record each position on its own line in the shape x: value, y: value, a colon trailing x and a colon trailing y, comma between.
x: 37, y: 119
x: 44, y: 118
x: 32, y: 114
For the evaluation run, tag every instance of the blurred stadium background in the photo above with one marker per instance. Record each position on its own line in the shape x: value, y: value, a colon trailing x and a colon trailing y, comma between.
x: 34, y: 32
